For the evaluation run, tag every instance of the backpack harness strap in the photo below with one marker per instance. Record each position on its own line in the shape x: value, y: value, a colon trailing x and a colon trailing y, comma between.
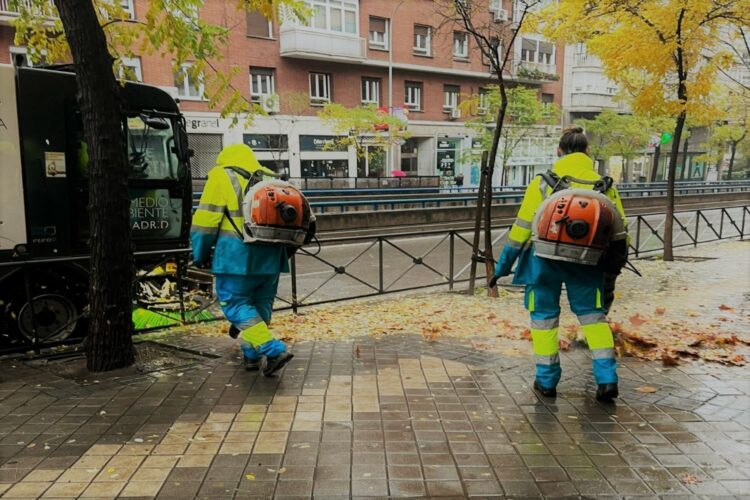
x: 557, y: 183
x: 252, y: 179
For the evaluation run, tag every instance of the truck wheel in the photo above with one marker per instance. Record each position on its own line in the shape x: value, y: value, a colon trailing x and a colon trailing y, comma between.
x: 60, y: 295
x: 52, y: 312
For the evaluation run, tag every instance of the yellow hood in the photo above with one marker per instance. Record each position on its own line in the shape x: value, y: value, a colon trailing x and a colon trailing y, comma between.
x: 240, y: 155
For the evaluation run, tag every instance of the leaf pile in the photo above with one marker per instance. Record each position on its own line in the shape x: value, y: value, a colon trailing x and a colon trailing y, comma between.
x: 662, y: 317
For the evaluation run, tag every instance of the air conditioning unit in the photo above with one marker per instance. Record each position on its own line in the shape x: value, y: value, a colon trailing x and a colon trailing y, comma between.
x: 501, y: 16
x: 455, y: 113
x: 496, y: 5
x: 270, y: 103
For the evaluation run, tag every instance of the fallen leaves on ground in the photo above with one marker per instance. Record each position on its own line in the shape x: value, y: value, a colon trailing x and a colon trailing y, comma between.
x: 689, y: 479
x: 662, y: 316
x: 647, y: 389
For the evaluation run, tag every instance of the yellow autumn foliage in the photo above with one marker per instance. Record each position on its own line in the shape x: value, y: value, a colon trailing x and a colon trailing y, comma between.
x: 642, y: 44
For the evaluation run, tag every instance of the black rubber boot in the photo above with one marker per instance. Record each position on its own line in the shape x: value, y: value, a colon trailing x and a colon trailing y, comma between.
x: 547, y: 393
x: 251, y: 364
x: 269, y: 366
x: 234, y: 332
x: 607, y: 392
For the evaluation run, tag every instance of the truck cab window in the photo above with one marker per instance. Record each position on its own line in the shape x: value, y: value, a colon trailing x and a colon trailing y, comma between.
x: 150, y: 149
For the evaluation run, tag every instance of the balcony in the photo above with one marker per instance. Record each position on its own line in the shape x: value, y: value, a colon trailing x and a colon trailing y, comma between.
x: 8, y: 12
x: 530, y: 72
x: 594, y: 102
x: 307, y: 43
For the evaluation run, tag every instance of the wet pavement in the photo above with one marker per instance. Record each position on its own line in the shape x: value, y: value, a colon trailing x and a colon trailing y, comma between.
x: 396, y: 415
x: 393, y: 416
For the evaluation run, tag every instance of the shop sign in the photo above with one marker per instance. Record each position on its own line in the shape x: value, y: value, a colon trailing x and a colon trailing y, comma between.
x: 202, y: 124
x: 446, y: 160
x: 530, y: 160
x: 320, y: 143
x: 447, y: 144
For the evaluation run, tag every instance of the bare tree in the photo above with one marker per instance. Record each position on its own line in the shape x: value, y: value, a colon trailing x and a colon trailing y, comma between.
x: 495, y: 40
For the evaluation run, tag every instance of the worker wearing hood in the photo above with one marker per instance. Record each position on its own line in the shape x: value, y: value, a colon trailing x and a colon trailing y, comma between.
x: 246, y: 274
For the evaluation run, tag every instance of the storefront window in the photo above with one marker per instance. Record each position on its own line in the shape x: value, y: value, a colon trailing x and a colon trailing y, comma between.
x: 372, y: 163
x: 281, y: 167
x: 325, y: 168
x: 409, y: 157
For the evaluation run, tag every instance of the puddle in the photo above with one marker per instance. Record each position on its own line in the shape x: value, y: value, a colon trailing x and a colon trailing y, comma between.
x: 150, y: 357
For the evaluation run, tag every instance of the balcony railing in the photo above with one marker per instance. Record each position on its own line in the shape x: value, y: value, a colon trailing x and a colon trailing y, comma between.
x: 308, y: 43
x: 10, y: 10
x: 530, y: 71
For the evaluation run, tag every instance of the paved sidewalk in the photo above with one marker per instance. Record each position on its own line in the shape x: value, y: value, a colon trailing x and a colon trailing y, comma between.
x: 396, y: 415
x: 373, y: 417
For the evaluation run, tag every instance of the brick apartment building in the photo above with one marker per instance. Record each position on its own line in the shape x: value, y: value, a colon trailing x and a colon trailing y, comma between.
x: 343, y: 55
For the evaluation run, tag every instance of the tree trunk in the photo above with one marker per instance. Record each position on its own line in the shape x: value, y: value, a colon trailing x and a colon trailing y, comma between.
x: 478, y: 224
x: 109, y: 344
x: 669, y: 216
x: 655, y: 163
x: 488, y: 258
x: 733, y: 152
x: 684, y: 159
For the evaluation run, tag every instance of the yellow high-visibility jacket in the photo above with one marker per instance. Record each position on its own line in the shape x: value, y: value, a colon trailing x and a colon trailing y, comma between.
x: 534, y: 270
x: 222, y: 198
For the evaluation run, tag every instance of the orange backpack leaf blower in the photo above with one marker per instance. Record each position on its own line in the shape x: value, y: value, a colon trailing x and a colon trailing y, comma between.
x: 575, y: 225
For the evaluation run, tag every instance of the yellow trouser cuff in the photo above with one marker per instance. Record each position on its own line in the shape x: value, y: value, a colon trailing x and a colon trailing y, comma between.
x: 257, y: 335
x: 598, y: 336
x: 545, y: 341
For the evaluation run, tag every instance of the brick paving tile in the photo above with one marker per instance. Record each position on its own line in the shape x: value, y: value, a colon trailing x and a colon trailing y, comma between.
x: 407, y: 418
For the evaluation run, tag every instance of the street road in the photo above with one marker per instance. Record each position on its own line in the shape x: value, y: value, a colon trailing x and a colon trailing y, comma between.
x: 359, y: 262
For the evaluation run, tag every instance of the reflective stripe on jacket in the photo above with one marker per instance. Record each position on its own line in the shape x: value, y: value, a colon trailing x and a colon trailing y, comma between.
x: 222, y: 194
x: 532, y: 269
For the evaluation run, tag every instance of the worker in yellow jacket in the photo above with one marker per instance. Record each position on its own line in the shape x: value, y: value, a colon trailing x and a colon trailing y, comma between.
x: 584, y: 283
x: 246, y: 274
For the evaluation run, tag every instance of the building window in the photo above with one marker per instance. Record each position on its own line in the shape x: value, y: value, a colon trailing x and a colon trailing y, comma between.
x: 189, y: 85
x: 334, y: 15
x: 371, y: 91
x: 546, y: 53
x: 528, y: 50
x: 378, y: 33
x: 320, y: 88
x: 450, y: 93
x: 422, y: 40
x: 131, y: 69
x: 460, y: 44
x: 548, y: 98
x: 258, y: 25
x: 129, y: 8
x: 261, y: 83
x: 413, y: 98
x: 538, y: 52
x: 484, y: 102
x: 19, y: 57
